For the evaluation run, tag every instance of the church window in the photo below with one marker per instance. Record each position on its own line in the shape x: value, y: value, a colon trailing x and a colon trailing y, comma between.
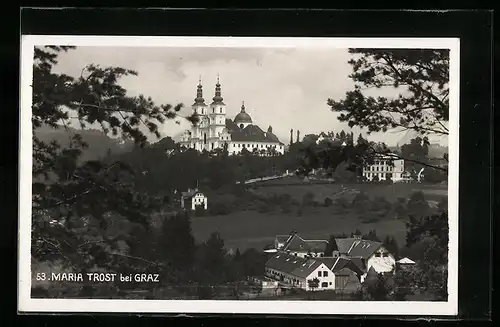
x: 241, y: 125
x: 220, y: 110
x: 204, y: 138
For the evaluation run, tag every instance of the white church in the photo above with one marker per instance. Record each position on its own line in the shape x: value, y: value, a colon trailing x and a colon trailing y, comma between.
x: 214, y: 130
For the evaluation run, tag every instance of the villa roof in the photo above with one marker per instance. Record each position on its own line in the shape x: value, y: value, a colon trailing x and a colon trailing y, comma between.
x: 355, y: 247
x: 190, y: 193
x: 297, y: 243
x: 296, y: 266
x: 251, y: 133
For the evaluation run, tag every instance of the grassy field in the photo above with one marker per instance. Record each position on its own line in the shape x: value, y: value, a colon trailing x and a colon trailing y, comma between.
x: 297, y: 188
x: 245, y: 229
x: 250, y: 228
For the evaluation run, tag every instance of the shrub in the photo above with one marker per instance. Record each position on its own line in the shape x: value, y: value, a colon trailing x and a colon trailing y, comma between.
x: 342, y: 202
x: 361, y: 201
x: 328, y: 202
x: 308, y: 198
x: 199, y: 211
x: 286, y: 207
x: 370, y: 219
x: 219, y: 209
x: 380, y: 203
x: 265, y: 208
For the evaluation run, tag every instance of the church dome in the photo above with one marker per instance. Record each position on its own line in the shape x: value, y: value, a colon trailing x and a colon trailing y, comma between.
x: 242, y: 117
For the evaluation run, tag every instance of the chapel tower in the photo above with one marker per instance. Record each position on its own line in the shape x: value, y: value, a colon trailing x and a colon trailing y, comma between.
x: 217, y: 115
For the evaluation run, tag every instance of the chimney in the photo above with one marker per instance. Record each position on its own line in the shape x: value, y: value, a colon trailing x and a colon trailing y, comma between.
x: 291, y: 136
x: 298, y: 136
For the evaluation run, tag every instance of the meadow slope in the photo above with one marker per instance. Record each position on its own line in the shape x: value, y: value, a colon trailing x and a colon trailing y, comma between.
x: 250, y: 228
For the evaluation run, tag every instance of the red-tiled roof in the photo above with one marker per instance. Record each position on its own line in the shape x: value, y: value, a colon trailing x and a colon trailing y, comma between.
x: 340, y: 264
x: 297, y: 243
x: 190, y: 193
x: 293, y: 265
x: 355, y: 247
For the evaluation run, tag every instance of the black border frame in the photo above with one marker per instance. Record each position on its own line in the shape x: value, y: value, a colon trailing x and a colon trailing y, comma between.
x: 474, y: 28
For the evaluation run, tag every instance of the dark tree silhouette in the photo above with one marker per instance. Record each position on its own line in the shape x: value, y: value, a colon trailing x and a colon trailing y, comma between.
x: 422, y: 76
x: 77, y: 205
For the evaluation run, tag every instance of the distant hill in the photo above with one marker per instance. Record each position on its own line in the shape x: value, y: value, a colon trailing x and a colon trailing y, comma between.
x: 99, y: 144
x: 437, y: 151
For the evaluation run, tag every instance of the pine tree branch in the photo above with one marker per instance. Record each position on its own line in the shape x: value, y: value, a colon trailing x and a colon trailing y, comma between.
x: 396, y: 156
x: 429, y: 94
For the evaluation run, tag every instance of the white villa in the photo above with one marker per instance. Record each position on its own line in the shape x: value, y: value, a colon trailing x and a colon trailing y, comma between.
x: 193, y: 198
x: 385, y: 167
x: 215, y: 131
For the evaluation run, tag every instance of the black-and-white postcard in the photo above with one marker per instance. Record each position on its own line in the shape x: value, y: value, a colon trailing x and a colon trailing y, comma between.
x: 239, y: 175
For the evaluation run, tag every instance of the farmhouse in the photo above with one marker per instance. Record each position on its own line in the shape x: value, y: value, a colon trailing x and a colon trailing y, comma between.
x: 296, y: 272
x: 331, y: 273
x: 297, y: 246
x: 365, y: 254
x: 192, y: 199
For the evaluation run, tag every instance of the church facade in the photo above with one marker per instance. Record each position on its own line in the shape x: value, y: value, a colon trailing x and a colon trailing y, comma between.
x: 215, y: 131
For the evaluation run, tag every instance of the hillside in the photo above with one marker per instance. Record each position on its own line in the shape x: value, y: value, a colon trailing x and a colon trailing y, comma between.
x: 99, y: 144
x: 437, y: 151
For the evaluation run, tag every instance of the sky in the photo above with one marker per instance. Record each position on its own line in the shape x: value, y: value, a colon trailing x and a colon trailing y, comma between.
x: 283, y: 88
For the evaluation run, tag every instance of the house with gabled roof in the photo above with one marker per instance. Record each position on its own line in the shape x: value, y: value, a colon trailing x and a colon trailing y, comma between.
x: 193, y: 198
x: 298, y: 246
x: 347, y: 274
x: 367, y: 254
x: 297, y: 272
x: 364, y: 254
x: 331, y: 273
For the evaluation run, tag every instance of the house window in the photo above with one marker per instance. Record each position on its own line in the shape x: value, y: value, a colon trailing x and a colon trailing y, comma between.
x: 324, y: 284
x: 319, y: 273
x: 330, y: 283
x: 325, y: 273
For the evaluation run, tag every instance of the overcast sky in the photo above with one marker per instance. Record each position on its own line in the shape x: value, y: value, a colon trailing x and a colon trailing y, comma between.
x: 284, y: 88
